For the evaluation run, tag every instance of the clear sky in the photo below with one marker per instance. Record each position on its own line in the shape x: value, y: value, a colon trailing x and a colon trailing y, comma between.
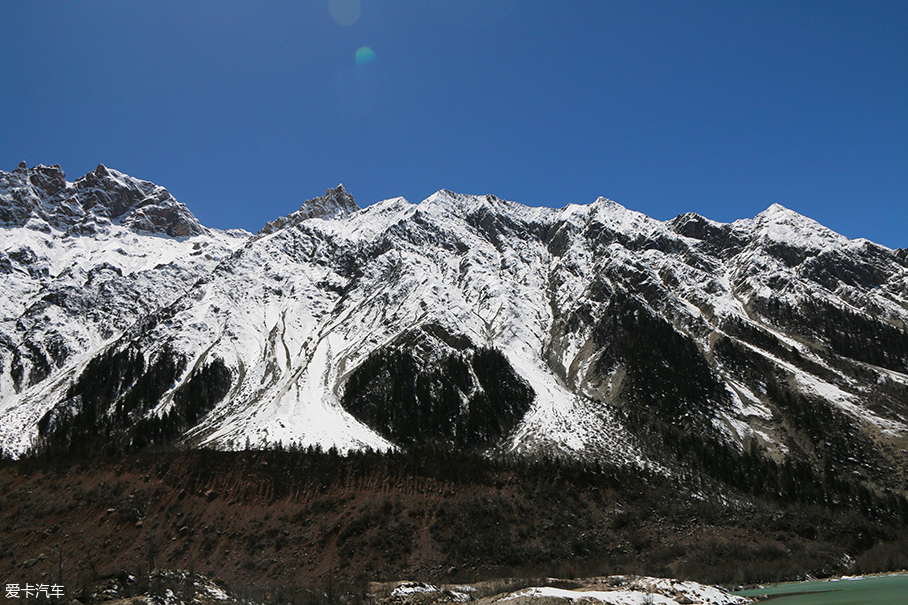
x: 244, y: 109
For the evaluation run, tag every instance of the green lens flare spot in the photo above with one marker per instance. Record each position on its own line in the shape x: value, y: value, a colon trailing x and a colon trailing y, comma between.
x: 365, y: 55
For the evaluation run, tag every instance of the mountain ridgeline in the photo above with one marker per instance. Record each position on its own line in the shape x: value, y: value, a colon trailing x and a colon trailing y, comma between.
x: 588, y: 332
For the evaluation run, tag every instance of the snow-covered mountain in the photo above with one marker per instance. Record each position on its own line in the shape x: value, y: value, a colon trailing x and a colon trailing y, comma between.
x: 80, y: 263
x: 590, y: 330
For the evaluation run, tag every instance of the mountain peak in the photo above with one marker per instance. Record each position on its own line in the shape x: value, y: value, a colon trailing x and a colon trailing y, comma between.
x: 604, y: 201
x: 341, y: 200
x: 443, y: 197
x: 99, y: 198
x: 336, y: 202
x: 603, y: 205
x: 458, y: 203
x: 777, y: 212
x: 783, y: 224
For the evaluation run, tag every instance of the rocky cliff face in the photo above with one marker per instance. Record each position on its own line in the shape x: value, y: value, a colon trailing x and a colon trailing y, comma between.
x: 335, y: 203
x: 42, y: 199
x: 588, y: 331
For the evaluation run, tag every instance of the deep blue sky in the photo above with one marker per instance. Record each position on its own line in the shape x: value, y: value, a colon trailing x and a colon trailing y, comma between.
x: 244, y: 109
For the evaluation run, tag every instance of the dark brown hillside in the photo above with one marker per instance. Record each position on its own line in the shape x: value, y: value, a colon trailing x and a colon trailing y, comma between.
x: 295, y: 520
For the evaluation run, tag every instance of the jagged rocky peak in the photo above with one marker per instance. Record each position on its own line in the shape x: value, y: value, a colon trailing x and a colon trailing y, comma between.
x: 42, y: 198
x: 696, y: 226
x: 22, y: 190
x: 49, y: 179
x: 139, y: 205
x: 336, y: 202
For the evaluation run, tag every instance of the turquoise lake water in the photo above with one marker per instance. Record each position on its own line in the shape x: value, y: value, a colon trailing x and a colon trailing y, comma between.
x: 877, y: 590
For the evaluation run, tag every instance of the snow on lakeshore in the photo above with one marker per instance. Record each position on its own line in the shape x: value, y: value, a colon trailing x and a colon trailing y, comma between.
x: 457, y: 594
x: 636, y: 592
